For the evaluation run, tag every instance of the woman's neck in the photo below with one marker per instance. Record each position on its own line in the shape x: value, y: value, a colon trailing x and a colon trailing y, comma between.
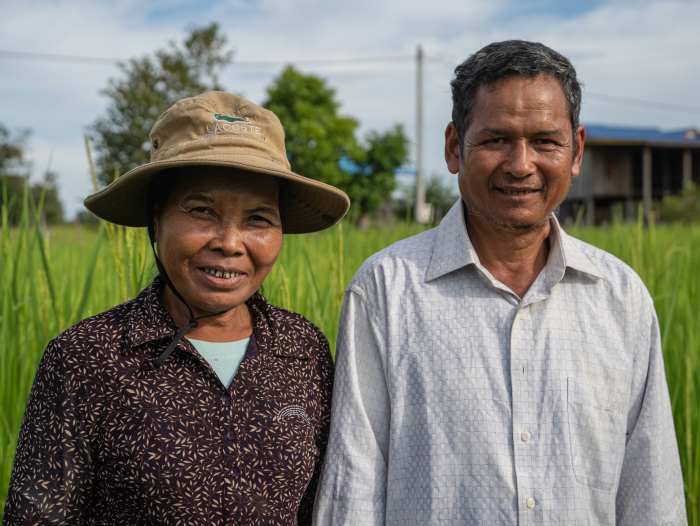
x: 230, y: 326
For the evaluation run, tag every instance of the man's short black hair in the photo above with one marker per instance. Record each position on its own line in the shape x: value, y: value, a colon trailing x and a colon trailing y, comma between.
x: 502, y: 60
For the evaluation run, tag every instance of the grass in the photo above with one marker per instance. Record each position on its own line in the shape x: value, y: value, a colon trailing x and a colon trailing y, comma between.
x: 50, y: 280
x: 668, y: 261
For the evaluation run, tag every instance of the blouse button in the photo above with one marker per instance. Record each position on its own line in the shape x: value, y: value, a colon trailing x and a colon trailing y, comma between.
x: 225, y: 400
x: 231, y: 435
x: 235, y: 473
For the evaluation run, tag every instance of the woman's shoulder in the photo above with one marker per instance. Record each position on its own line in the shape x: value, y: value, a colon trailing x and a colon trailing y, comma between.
x: 99, y: 328
x: 297, y: 322
x: 291, y: 325
x: 107, y: 331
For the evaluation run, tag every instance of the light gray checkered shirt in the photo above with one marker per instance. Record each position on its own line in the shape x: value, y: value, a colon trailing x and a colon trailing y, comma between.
x: 456, y: 402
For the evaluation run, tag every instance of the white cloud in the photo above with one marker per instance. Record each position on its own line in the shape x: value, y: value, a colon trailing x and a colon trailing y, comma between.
x: 640, y: 49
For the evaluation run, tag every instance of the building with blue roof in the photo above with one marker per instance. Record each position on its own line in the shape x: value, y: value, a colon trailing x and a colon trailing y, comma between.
x: 631, y: 165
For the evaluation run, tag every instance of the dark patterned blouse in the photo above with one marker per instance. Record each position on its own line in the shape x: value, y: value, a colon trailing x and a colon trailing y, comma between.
x: 110, y: 439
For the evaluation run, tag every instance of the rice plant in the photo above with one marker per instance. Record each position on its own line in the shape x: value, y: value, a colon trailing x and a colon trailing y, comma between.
x: 51, y: 279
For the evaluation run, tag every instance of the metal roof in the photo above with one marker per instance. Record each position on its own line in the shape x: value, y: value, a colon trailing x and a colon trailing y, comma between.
x: 597, y: 134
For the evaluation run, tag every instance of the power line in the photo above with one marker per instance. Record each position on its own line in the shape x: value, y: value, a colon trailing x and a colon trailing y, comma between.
x: 50, y: 57
x: 323, y: 62
x: 668, y: 106
x: 82, y: 59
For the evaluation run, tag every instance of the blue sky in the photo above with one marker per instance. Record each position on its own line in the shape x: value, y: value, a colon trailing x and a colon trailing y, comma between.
x: 637, y: 49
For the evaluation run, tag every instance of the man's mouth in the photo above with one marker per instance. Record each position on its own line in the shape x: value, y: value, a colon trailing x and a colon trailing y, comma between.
x: 221, y: 274
x: 516, y: 192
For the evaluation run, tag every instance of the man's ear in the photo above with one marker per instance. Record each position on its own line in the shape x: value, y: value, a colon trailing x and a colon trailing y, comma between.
x: 452, y: 148
x: 579, y: 140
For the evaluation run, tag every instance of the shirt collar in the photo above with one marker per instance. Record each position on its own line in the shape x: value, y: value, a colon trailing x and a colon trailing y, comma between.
x: 149, y: 321
x: 454, y: 250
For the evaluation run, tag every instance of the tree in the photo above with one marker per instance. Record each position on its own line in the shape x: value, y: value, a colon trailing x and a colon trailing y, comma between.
x: 148, y: 87
x: 14, y: 173
x: 12, y: 148
x: 316, y: 137
x: 372, y: 184
x: 322, y: 145
x: 684, y: 207
x: 438, y: 193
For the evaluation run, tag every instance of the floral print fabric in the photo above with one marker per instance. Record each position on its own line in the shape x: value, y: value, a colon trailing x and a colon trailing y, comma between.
x: 108, y: 438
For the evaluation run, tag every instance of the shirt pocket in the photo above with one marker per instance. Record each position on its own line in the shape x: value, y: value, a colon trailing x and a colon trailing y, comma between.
x: 281, y: 455
x: 597, y: 422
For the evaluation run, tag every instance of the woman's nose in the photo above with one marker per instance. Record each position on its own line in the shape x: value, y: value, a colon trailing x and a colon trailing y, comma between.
x: 229, y: 239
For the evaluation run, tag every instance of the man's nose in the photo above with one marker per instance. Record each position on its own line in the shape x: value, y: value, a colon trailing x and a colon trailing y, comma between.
x: 520, y: 163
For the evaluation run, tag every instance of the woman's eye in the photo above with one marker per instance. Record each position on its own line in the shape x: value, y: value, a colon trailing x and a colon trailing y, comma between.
x: 200, y: 209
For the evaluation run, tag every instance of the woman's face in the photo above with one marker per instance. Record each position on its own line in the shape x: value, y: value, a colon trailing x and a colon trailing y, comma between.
x: 218, y: 236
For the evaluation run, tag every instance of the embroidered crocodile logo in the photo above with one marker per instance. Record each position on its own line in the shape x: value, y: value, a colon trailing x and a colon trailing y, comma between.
x: 293, y: 410
x: 220, y: 117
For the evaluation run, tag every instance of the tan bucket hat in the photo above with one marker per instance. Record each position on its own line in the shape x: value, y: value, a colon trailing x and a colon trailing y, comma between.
x: 220, y: 129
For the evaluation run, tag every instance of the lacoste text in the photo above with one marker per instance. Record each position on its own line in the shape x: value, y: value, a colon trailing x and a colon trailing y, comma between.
x: 236, y: 127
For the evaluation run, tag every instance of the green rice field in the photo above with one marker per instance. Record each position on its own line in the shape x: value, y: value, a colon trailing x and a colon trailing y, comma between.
x: 53, y: 278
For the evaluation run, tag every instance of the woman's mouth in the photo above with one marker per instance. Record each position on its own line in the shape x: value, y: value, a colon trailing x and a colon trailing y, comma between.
x: 221, y: 274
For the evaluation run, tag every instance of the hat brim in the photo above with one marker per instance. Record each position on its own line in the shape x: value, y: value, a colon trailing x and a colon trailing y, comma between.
x: 311, y: 205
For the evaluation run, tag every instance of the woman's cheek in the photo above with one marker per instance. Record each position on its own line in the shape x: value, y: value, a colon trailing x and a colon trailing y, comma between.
x: 267, y: 247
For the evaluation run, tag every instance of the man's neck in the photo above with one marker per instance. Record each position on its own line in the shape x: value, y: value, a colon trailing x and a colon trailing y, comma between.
x: 513, y: 256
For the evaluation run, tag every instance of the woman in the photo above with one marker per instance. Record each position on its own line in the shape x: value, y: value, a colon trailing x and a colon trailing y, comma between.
x: 197, y: 402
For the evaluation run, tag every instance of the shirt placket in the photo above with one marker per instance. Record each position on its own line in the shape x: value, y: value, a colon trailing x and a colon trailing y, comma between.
x: 524, y: 409
x: 230, y: 414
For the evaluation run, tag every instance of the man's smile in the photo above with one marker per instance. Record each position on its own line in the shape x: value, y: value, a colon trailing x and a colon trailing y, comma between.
x: 514, y: 191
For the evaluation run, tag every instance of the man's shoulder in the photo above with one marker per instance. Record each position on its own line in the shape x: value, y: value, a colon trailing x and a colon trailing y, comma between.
x: 617, y: 274
x: 405, y: 259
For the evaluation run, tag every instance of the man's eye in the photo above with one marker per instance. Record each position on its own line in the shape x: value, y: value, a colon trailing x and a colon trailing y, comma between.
x: 496, y: 140
x: 200, y: 209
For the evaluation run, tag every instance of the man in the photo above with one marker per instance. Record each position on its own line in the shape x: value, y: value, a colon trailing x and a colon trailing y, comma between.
x: 495, y: 370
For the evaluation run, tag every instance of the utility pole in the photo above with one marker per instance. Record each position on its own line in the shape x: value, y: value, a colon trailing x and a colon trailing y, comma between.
x: 422, y: 209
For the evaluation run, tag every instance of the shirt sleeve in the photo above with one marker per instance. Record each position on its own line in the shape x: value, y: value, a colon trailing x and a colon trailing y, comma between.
x: 354, y: 481
x: 325, y: 376
x: 651, y: 482
x: 52, y: 476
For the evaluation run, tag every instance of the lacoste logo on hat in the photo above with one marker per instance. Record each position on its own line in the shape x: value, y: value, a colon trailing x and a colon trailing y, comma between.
x: 237, y: 124
x: 220, y: 117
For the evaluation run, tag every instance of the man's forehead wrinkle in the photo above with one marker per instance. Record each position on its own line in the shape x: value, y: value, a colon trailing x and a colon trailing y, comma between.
x: 514, y: 90
x: 543, y: 129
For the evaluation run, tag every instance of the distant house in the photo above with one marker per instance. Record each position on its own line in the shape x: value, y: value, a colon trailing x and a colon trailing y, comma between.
x: 630, y: 165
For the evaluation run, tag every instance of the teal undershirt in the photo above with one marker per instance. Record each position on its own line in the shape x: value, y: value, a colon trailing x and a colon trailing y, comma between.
x: 224, y: 357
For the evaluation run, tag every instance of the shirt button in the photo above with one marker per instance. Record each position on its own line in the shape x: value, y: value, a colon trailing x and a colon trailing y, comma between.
x: 235, y: 473
x: 530, y: 503
x: 225, y: 400
x: 231, y: 435
x: 525, y: 437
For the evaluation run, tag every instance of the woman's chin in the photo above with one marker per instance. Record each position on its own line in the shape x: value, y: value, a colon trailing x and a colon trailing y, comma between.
x: 218, y: 305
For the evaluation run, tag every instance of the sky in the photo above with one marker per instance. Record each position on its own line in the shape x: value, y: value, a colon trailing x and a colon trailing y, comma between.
x: 642, y: 50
